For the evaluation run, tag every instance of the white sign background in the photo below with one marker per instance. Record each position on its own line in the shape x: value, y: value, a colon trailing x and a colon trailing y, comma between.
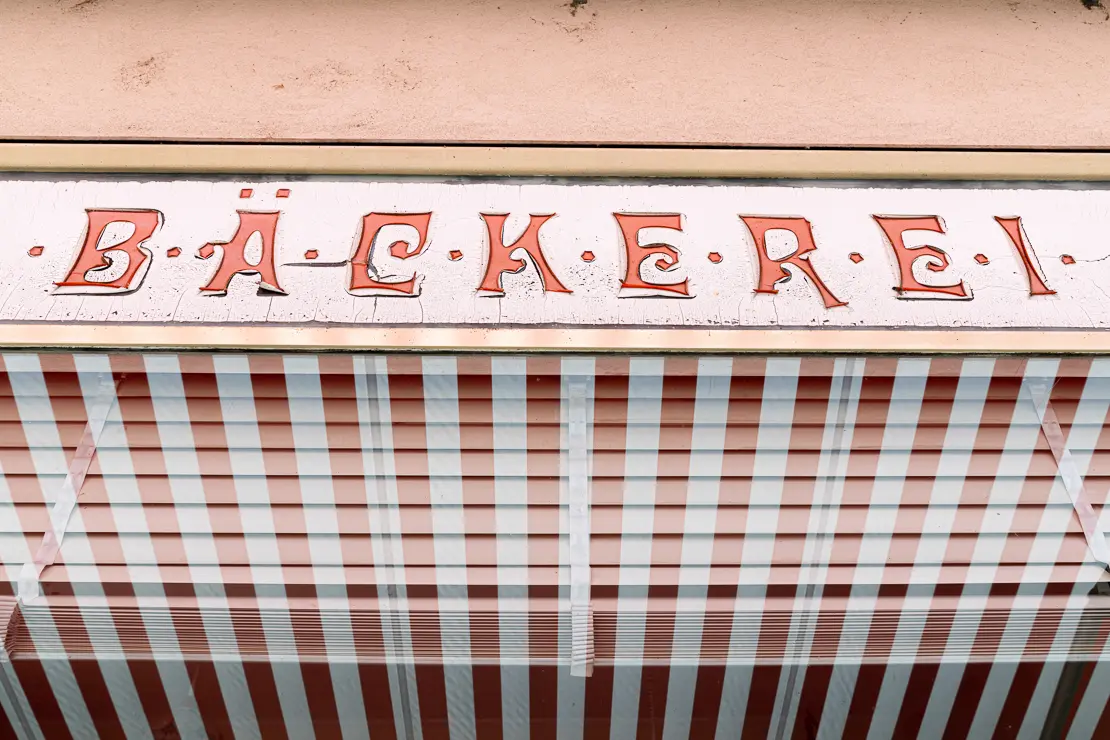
x: 325, y: 215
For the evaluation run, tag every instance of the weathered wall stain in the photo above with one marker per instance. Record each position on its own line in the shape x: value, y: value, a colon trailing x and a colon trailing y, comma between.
x: 697, y: 71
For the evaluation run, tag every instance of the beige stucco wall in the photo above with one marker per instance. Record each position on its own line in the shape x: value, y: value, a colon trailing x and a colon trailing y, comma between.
x: 976, y: 73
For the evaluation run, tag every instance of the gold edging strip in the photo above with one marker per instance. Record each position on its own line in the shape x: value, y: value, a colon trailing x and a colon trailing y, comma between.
x: 658, y: 162
x: 574, y: 339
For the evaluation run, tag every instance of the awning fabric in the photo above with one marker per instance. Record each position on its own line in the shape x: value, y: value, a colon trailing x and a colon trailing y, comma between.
x: 306, y: 545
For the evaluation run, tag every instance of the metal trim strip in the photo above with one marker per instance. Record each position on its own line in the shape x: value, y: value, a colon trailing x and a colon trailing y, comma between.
x: 564, y: 161
x: 551, y: 339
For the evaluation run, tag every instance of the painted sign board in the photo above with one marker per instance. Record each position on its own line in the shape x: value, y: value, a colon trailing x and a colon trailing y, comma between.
x: 569, y: 253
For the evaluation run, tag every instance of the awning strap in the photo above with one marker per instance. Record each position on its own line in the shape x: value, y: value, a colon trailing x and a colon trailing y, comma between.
x: 581, y: 613
x: 60, y: 514
x: 1072, y: 479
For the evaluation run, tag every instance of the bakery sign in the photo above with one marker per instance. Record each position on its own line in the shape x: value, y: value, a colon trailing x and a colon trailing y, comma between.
x: 387, y: 252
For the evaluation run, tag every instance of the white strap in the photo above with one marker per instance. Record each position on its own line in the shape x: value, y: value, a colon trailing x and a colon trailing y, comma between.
x: 60, y: 514
x: 581, y: 613
x: 1069, y: 474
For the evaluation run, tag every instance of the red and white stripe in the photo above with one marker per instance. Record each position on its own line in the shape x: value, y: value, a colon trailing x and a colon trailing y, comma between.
x: 576, y: 388
x: 964, y: 416
x: 641, y: 461
x: 48, y: 459
x: 321, y: 519
x: 137, y: 524
x: 757, y: 557
x: 509, y: 411
x: 836, y: 442
x: 372, y: 393
x: 169, y: 407
x: 449, y: 533
x: 699, y: 528
x: 238, y: 418
x: 902, y: 412
x: 993, y: 526
x: 380, y: 546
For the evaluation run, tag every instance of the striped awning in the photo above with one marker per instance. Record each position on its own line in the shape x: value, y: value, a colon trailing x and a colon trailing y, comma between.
x: 422, y: 546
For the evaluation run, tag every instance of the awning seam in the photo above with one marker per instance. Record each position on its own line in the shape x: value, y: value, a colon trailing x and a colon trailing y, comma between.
x: 1071, y: 477
x: 582, y: 653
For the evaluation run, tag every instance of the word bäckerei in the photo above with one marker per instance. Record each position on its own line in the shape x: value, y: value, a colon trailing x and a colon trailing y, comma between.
x: 587, y: 253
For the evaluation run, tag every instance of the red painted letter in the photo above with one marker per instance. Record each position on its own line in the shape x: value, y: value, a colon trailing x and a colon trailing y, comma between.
x: 91, y: 259
x: 771, y: 271
x: 935, y: 259
x: 636, y: 254
x: 362, y: 261
x: 234, y: 261
x: 1014, y: 230
x: 502, y: 261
